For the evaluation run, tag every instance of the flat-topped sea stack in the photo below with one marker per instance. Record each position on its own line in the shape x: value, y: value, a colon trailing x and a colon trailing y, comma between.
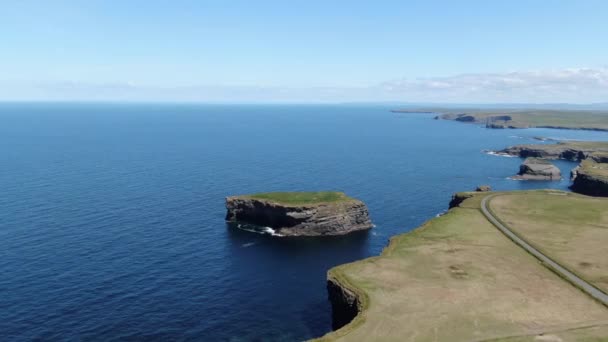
x: 538, y: 169
x: 300, y: 213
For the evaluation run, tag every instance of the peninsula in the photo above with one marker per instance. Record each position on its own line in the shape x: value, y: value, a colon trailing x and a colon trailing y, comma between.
x: 459, y: 277
x: 522, y: 118
x: 300, y: 213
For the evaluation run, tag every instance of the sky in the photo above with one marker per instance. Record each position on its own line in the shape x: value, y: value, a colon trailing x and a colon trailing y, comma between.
x: 305, y: 51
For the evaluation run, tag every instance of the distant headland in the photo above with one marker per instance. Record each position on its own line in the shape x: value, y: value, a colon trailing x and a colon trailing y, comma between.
x: 596, y: 120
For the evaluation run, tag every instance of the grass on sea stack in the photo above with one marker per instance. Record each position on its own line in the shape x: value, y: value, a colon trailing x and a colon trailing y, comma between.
x: 302, y: 197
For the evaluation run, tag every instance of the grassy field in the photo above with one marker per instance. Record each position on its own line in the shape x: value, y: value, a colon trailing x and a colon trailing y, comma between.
x: 302, y: 197
x: 520, y: 118
x: 569, y: 228
x: 587, y: 334
x: 566, y: 119
x: 598, y: 170
x: 457, y: 278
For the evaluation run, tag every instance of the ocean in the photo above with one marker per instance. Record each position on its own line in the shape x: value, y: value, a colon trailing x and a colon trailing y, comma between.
x: 112, y: 215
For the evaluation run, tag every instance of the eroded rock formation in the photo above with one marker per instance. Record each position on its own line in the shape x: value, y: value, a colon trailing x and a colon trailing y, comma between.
x: 538, y: 169
x: 332, y: 218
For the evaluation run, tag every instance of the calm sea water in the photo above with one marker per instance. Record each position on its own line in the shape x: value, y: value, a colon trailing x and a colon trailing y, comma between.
x: 112, y: 216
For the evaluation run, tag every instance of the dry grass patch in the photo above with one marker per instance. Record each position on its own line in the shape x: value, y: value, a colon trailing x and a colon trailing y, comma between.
x: 571, y: 229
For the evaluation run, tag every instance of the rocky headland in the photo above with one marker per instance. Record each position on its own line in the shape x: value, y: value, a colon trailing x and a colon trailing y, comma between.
x: 591, y: 176
x: 300, y: 213
x: 567, y: 150
x: 538, y: 169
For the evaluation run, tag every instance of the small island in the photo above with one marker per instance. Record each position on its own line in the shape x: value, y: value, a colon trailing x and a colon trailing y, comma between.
x: 538, y: 169
x: 300, y: 213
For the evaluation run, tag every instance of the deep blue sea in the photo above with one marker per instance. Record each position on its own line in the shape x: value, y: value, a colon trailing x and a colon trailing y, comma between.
x: 112, y: 215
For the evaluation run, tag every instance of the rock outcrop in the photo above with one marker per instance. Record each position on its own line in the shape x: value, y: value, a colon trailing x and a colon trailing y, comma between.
x: 556, y: 151
x: 483, y: 188
x: 318, y: 219
x: 345, y: 304
x: 538, y: 169
x: 591, y: 176
x: 573, y: 151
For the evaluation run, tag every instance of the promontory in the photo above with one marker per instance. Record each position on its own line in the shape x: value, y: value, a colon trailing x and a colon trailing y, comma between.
x: 300, y: 213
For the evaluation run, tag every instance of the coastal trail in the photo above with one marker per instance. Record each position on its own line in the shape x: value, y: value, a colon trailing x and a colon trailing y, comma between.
x: 556, y: 267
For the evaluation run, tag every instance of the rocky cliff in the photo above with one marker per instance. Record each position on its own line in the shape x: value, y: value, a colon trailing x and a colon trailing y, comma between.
x: 538, y: 169
x: 545, y: 151
x: 345, y: 304
x: 591, y: 176
x: 573, y: 151
x: 319, y: 219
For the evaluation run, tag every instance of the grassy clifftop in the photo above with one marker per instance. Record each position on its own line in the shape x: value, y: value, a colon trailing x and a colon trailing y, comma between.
x: 301, y: 198
x: 569, y: 228
x: 457, y: 278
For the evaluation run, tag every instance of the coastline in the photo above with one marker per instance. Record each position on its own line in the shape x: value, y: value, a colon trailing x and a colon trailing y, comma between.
x: 350, y: 302
x: 517, y: 277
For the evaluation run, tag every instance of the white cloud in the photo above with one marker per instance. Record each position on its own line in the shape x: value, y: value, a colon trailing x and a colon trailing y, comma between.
x: 564, y: 85
x: 579, y: 85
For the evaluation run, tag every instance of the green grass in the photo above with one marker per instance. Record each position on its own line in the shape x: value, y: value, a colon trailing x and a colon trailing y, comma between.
x: 569, y: 228
x: 457, y: 278
x: 302, y: 197
x: 592, y: 168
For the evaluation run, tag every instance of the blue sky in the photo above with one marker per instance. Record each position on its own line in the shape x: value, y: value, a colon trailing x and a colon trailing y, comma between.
x: 310, y: 51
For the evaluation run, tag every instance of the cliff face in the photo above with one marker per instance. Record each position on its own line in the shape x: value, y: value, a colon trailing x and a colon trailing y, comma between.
x: 588, y: 184
x: 345, y: 305
x: 458, y: 198
x: 556, y: 151
x: 333, y: 218
x: 591, y: 177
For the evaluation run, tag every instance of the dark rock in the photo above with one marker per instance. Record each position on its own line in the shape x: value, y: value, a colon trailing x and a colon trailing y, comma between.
x: 588, y: 184
x: 345, y: 305
x: 549, y: 151
x: 483, y: 188
x: 466, y: 118
x: 591, y: 176
x: 331, y: 218
x: 458, y: 198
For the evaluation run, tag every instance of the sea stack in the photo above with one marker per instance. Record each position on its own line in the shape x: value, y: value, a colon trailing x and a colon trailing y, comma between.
x: 538, y: 169
x: 300, y: 213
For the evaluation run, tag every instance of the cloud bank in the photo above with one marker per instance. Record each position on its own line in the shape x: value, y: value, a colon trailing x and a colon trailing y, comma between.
x: 565, y: 85
x: 576, y: 85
